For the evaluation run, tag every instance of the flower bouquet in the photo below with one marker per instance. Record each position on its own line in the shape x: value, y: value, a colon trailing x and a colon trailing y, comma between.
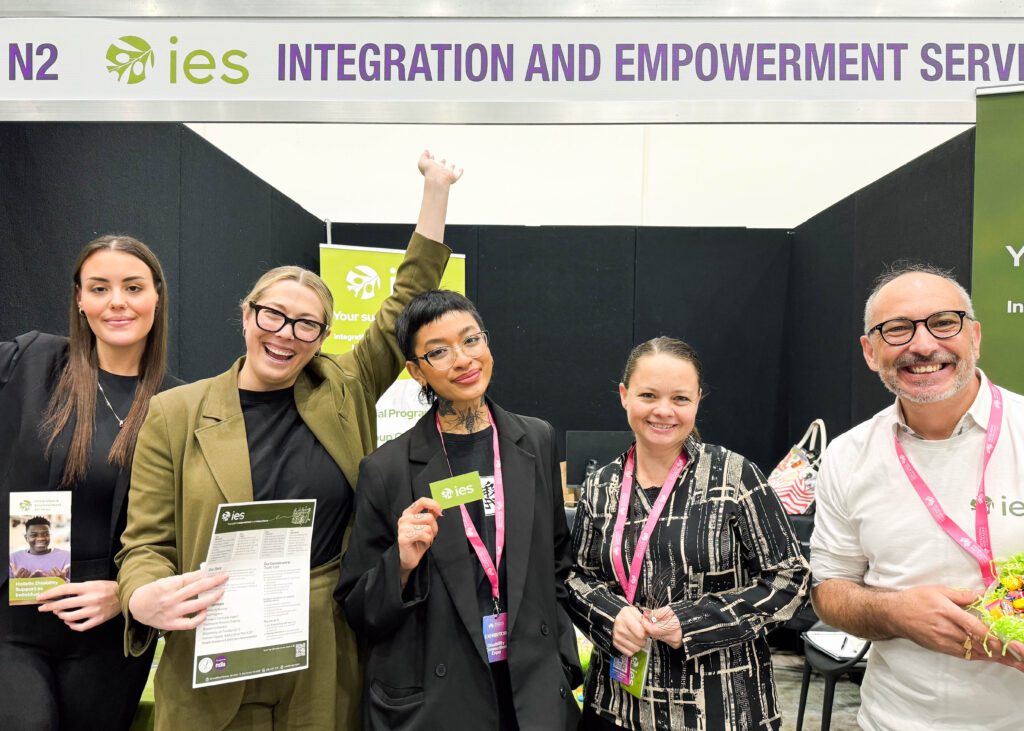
x: 1002, y: 605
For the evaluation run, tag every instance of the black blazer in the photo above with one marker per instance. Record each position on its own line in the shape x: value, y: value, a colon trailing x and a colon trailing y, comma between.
x: 425, y: 661
x: 30, y: 366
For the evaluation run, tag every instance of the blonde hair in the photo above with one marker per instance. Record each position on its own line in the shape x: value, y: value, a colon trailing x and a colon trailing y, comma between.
x: 292, y: 274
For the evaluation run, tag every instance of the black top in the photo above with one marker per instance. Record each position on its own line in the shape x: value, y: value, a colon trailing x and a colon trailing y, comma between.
x: 289, y: 463
x: 93, y: 496
x: 475, y: 453
x: 30, y: 367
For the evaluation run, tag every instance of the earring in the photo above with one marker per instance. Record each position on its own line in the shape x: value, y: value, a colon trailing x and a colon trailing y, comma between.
x: 81, y: 312
x: 243, y: 333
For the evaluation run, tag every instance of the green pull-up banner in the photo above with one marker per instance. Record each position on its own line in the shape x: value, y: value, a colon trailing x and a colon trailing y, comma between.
x: 997, y: 286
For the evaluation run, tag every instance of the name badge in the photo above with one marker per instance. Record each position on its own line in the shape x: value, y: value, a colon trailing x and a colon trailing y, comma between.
x: 457, y: 490
x: 631, y: 672
x: 495, y: 628
x: 40, y: 544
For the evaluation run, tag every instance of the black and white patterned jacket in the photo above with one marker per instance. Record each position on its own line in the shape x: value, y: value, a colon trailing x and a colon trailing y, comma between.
x: 723, y: 556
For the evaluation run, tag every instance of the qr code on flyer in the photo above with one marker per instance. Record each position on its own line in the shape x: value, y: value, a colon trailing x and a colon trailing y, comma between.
x: 300, y: 649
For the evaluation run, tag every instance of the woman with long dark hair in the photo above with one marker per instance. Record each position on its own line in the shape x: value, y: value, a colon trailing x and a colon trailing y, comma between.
x: 73, y: 408
x: 462, y: 614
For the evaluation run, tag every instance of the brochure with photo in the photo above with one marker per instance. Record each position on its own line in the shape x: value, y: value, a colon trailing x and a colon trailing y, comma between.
x: 39, y: 544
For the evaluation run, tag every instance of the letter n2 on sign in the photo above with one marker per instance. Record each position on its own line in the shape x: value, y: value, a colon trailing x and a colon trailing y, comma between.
x: 30, y: 62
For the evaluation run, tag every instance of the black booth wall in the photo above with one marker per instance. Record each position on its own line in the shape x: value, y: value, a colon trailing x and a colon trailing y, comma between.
x: 775, y: 315
x: 923, y: 211
x: 565, y: 305
x: 214, y: 225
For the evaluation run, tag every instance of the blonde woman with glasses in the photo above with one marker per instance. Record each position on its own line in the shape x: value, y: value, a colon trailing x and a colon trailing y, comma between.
x: 284, y: 422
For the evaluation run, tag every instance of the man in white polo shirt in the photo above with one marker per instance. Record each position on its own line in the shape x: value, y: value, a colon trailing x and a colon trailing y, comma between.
x: 885, y: 567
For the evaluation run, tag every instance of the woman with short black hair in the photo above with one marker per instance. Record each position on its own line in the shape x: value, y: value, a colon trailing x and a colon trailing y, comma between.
x: 462, y: 611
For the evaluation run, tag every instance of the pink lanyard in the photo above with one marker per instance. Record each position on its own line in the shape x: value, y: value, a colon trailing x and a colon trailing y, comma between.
x: 981, y: 546
x: 499, y: 514
x: 629, y: 585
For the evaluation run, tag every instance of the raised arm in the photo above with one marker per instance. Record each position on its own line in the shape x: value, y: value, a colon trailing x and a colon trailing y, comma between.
x: 377, y: 356
x: 438, y: 178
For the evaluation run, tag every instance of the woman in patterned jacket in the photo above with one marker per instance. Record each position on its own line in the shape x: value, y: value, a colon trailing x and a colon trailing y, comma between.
x: 683, y: 559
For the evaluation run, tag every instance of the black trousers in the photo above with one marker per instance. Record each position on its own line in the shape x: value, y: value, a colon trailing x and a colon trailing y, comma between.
x: 55, y: 679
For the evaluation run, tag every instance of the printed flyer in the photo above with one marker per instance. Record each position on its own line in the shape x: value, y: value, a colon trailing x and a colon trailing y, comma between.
x: 260, y: 626
x: 39, y: 544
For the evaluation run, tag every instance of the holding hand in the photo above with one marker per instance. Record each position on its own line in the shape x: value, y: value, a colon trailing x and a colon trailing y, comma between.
x: 416, y: 531
x: 628, y: 633
x: 83, y: 605
x: 934, y: 618
x: 662, y: 624
x: 168, y: 603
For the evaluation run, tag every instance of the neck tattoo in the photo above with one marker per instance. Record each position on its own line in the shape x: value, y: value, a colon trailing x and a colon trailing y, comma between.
x: 471, y: 418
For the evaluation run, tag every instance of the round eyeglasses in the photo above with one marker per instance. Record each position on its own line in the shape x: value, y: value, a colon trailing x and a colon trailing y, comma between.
x: 443, y: 358
x: 941, y: 325
x: 270, y: 320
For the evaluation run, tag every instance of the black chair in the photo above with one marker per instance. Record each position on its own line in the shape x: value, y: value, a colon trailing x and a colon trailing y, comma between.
x: 832, y: 670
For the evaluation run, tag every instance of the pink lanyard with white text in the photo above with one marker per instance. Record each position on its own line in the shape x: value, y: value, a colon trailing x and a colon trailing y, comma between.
x: 499, y: 514
x: 981, y: 546
x: 629, y: 584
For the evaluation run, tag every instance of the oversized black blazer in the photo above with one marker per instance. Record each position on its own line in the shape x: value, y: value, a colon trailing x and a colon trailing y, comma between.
x: 30, y: 366
x: 425, y: 661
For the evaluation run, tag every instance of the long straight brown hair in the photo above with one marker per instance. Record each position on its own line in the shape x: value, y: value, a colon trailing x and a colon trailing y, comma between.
x: 75, y: 394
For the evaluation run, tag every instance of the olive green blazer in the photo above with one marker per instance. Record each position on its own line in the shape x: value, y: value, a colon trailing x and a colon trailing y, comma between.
x: 192, y: 455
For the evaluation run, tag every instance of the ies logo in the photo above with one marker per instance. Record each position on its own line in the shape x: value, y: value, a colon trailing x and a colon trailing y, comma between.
x: 131, y: 58
x: 363, y: 282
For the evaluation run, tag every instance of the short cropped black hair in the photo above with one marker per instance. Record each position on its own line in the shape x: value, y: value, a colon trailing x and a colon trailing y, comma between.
x: 424, y: 309
x: 38, y: 520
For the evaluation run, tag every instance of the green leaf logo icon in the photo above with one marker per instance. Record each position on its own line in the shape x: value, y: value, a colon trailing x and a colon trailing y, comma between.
x: 25, y: 504
x: 363, y: 282
x: 131, y: 57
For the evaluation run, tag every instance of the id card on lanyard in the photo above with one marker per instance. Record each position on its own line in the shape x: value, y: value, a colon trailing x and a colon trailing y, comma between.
x: 493, y: 626
x: 632, y: 672
x: 980, y: 547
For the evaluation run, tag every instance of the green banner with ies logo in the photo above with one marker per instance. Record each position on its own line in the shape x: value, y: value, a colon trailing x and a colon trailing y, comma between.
x: 998, y: 257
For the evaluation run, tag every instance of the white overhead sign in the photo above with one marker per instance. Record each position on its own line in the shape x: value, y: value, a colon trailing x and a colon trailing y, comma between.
x: 550, y: 70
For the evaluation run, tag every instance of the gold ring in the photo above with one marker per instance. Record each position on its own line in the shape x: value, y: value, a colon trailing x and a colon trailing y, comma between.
x: 968, y: 646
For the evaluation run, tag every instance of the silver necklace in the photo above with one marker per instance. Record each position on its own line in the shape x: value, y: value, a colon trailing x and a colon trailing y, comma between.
x: 120, y: 421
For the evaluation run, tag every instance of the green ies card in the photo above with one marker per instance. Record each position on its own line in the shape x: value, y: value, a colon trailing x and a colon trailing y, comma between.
x: 457, y: 490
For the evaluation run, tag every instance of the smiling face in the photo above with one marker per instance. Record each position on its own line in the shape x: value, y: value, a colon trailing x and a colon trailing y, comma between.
x: 465, y: 383
x: 118, y: 298
x: 38, y: 539
x: 927, y: 369
x: 661, y: 401
x: 274, y: 360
